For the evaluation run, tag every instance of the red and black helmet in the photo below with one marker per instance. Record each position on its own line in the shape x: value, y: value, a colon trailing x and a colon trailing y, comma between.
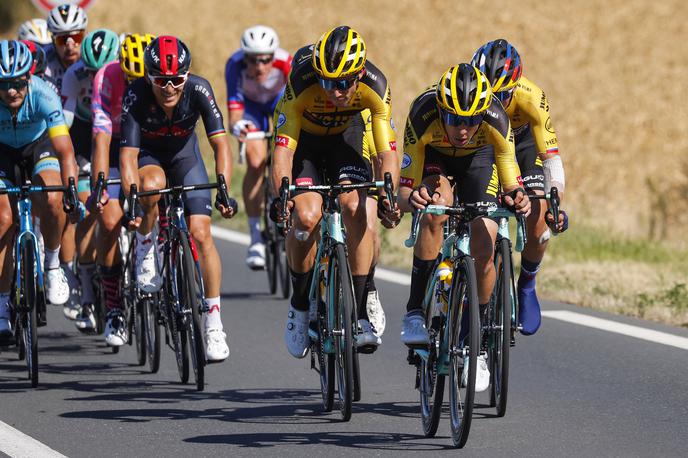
x: 40, y: 61
x: 167, y: 56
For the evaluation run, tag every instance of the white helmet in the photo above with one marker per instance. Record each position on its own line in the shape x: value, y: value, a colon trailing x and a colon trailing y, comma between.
x: 67, y: 18
x: 259, y: 39
x: 35, y: 30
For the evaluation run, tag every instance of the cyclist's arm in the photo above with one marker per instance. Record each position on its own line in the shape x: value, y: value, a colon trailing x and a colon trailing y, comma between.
x: 102, y: 127
x: 282, y: 161
x: 129, y: 143
x: 70, y: 95
x: 288, y: 128
x: 51, y: 110
x: 215, y: 130
x: 223, y: 156
x: 411, y: 174
x: 235, y: 99
x: 65, y: 155
x: 129, y: 168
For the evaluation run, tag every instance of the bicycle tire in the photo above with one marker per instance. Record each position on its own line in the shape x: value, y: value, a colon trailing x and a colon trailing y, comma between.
x: 356, y: 366
x: 283, y: 267
x: 29, y: 296
x: 271, y: 264
x: 325, y: 358
x: 193, y: 298
x: 500, y: 327
x: 464, y: 290
x: 139, y: 336
x: 343, y: 301
x: 176, y: 326
x: 152, y: 333
x: 431, y: 386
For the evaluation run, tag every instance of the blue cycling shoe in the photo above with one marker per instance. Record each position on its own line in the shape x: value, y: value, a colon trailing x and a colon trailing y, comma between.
x: 529, y: 305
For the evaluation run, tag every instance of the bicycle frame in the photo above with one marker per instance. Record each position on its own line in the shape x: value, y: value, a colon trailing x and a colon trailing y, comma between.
x: 24, y: 206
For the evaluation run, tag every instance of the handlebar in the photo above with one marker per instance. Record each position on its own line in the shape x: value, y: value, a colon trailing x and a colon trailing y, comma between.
x: 553, y: 201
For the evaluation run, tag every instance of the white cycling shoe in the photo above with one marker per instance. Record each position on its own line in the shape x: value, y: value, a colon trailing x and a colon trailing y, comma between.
x: 86, y: 321
x: 147, y: 277
x: 413, y: 330
x: 116, y: 333
x: 482, y: 376
x: 367, y: 337
x: 56, y: 286
x: 296, y: 332
x: 376, y: 314
x: 255, y: 257
x: 216, y: 348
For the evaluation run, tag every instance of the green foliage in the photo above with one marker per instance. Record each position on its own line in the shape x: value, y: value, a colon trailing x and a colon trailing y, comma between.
x: 675, y: 298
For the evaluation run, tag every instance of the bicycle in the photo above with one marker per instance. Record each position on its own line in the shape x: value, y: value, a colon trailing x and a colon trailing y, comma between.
x: 331, y: 299
x: 28, y: 299
x: 451, y: 292
x: 181, y: 300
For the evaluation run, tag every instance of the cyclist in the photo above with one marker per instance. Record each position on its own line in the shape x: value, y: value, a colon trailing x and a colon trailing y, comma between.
x: 537, y: 153
x: 35, y: 30
x: 159, y: 113
x: 456, y: 128
x: 320, y: 127
x: 98, y: 48
x: 255, y: 75
x: 40, y: 62
x: 109, y: 86
x: 67, y: 23
x: 32, y: 132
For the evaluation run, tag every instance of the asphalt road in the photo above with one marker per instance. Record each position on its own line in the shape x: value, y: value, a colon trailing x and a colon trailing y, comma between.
x: 575, y: 391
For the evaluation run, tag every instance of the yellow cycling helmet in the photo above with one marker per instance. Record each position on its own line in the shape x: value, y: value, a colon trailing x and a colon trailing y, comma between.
x: 463, y: 90
x: 340, y: 53
x: 131, y: 54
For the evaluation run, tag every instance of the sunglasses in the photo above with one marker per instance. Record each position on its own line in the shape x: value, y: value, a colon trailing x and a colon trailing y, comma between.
x: 454, y: 120
x: 77, y: 37
x: 259, y: 60
x: 162, y: 81
x: 342, y: 85
x: 503, y: 96
x: 17, y: 85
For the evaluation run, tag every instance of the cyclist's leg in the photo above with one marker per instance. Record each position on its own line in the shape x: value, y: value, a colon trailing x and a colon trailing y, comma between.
x: 301, y: 243
x: 427, y: 247
x: 6, y: 259
x: 537, y: 233
x: 252, y: 189
x: 46, y: 171
x: 375, y: 312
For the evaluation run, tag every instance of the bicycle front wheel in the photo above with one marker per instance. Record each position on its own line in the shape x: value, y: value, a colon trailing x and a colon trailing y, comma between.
x: 464, y: 347
x: 191, y: 278
x: 325, y: 356
x: 151, y: 330
x: 29, y: 305
x: 431, y: 386
x: 282, y: 267
x: 499, y: 323
x: 341, y: 296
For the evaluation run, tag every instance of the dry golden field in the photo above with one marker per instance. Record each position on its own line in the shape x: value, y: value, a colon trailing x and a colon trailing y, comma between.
x: 612, y: 71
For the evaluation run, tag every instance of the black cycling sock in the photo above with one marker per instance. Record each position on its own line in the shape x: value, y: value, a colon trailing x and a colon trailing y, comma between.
x: 301, y: 283
x: 419, y: 281
x: 360, y: 295
x: 370, y: 280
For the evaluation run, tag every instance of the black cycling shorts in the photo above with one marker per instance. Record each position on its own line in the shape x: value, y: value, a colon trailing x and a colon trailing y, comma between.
x: 333, y: 158
x: 475, y: 175
x: 37, y: 156
x: 184, y: 167
x: 529, y: 161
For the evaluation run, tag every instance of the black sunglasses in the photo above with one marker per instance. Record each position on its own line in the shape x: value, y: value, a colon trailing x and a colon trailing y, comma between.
x: 259, y: 60
x: 454, y: 120
x: 342, y: 85
x: 17, y: 85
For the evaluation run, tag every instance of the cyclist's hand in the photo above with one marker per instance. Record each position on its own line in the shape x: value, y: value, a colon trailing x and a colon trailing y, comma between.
x: 229, y: 211
x: 518, y: 201
x: 276, y: 210
x: 561, y: 225
x: 77, y: 213
x: 421, y: 197
x: 93, y: 205
x: 389, y: 217
x: 242, y: 127
x: 134, y: 224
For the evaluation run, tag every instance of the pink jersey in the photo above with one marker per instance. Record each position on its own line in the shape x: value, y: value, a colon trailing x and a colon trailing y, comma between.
x: 106, y: 105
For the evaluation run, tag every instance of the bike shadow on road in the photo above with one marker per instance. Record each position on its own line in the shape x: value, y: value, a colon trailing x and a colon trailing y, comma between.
x: 359, y: 440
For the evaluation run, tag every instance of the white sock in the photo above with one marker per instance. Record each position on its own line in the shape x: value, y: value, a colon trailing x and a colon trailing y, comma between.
x: 52, y: 258
x: 5, y: 305
x: 213, y: 320
x: 254, y: 228
x: 86, y: 278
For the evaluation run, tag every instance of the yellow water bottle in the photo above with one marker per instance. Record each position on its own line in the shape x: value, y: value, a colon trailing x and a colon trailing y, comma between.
x: 444, y: 272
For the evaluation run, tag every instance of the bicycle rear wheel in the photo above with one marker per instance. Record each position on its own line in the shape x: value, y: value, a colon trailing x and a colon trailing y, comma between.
x: 431, y: 385
x: 499, y: 323
x: 193, y: 302
x: 151, y: 331
x: 342, y: 297
x: 29, y: 305
x: 463, y: 299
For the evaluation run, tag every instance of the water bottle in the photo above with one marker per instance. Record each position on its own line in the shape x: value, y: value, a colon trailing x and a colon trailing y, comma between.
x: 444, y: 277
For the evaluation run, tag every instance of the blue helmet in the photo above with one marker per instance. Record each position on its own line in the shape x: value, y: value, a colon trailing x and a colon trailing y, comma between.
x: 15, y: 59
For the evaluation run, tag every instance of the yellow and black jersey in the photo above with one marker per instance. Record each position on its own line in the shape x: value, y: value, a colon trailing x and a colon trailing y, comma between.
x: 529, y: 108
x: 304, y: 106
x: 424, y: 129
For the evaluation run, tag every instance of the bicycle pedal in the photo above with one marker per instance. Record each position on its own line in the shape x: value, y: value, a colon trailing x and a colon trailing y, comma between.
x: 412, y: 358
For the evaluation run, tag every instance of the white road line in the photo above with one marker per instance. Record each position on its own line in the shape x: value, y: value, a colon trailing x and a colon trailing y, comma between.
x: 243, y: 239
x: 563, y: 315
x: 16, y: 444
x: 618, y: 328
